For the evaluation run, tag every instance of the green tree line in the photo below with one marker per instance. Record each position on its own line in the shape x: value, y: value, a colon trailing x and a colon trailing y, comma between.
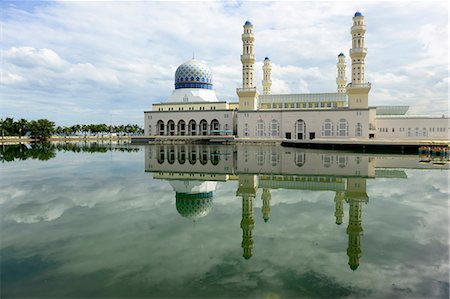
x: 46, y: 151
x: 44, y: 128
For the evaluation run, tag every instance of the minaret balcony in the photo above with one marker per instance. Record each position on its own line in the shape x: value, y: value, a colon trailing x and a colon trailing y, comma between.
x: 358, y: 28
x: 248, y: 37
x: 248, y: 58
x: 358, y: 51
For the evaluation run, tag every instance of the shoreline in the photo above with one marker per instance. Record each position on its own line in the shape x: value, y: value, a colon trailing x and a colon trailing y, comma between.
x: 403, y: 146
x: 10, y: 140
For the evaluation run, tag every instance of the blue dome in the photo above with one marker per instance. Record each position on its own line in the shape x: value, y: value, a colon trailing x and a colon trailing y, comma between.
x: 248, y: 22
x: 194, y: 206
x: 358, y: 14
x: 193, y: 74
x: 267, y: 58
x: 341, y: 54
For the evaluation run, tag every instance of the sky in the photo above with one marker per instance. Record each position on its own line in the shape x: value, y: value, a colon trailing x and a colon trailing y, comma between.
x: 77, y: 62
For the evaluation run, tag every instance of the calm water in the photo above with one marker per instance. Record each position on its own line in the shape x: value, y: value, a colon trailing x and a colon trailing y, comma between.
x: 225, y: 221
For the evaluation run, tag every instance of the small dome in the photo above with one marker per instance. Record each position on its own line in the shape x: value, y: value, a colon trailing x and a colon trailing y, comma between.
x: 193, y: 74
x: 341, y: 54
x: 267, y: 58
x: 358, y: 14
x: 194, y: 206
x: 247, y: 23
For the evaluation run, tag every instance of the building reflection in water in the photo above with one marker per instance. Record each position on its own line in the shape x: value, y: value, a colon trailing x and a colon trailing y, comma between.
x: 194, y: 170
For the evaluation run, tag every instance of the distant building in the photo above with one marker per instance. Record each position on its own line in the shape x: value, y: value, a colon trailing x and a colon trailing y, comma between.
x: 193, y: 108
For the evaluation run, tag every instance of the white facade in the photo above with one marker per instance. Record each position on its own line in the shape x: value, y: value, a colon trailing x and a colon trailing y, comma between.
x: 413, y: 127
x: 304, y: 124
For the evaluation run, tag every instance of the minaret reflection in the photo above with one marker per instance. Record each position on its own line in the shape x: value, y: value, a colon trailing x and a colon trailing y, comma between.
x: 339, y: 199
x: 194, y: 171
x: 356, y: 195
x: 266, y: 196
x: 248, y: 186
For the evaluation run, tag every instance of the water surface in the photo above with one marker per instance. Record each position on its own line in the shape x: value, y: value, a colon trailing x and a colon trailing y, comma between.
x: 103, y: 221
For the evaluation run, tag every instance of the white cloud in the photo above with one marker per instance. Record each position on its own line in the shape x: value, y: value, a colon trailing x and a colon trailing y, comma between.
x: 123, y: 56
x: 29, y: 57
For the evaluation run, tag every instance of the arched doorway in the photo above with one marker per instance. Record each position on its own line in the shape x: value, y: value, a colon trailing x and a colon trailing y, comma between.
x: 192, y: 128
x: 203, y: 127
x: 171, y: 128
x: 181, y: 128
x: 300, y: 129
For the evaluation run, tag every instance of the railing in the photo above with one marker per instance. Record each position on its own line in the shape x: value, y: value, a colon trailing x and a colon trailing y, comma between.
x: 359, y: 85
x: 246, y: 89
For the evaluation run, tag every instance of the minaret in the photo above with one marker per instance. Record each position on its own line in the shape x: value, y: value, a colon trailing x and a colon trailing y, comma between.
x: 266, y: 204
x: 341, y: 79
x: 248, y: 95
x: 248, y: 186
x: 357, y: 89
x: 356, y: 196
x: 266, y: 82
x: 339, y: 200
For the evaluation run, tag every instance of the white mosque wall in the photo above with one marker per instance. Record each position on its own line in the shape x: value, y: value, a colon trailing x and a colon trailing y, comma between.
x: 413, y: 128
x: 224, y: 118
x: 341, y: 123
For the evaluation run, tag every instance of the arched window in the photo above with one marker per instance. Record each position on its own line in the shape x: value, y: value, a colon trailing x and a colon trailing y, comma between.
x: 342, y: 161
x: 246, y: 131
x: 300, y: 129
x: 327, y: 128
x: 358, y: 131
x: 171, y: 154
x: 170, y: 127
x: 161, y: 155
x: 274, y: 128
x: 215, y: 127
x: 181, y: 154
x: 274, y: 158
x: 150, y: 130
x: 193, y: 155
x: 204, y: 156
x: 343, y: 127
x: 181, y: 128
x: 160, y: 127
x: 260, y: 157
x: 260, y: 128
x: 299, y: 159
x: 203, y: 127
x: 214, y: 156
x: 327, y: 160
x: 192, y: 128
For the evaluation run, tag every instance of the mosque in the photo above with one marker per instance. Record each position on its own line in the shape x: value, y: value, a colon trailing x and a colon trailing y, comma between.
x: 193, y: 108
